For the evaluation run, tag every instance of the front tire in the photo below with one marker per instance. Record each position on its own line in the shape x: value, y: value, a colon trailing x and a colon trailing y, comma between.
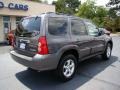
x: 67, y: 67
x: 107, y: 54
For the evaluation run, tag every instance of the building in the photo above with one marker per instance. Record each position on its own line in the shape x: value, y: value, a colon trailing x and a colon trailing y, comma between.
x: 11, y: 11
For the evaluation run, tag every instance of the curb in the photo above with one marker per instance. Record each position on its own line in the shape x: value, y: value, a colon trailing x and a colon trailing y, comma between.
x: 115, y: 35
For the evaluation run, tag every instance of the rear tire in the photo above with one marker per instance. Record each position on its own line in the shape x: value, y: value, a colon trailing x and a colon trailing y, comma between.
x: 67, y: 67
x: 107, y: 54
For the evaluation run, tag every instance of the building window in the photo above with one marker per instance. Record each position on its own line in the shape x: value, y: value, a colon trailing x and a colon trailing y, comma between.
x: 18, y: 20
x: 6, y: 18
x: 6, y: 25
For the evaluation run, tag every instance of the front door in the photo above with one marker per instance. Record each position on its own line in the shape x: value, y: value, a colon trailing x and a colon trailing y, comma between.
x: 98, y: 42
x: 80, y: 37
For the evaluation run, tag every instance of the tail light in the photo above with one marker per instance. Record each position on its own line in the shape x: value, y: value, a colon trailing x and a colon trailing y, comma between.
x: 42, y: 46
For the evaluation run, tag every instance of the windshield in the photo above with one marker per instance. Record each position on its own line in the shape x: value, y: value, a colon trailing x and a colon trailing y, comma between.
x: 29, y: 27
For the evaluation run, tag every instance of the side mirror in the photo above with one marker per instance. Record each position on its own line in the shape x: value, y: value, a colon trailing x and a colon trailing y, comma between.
x: 100, y: 32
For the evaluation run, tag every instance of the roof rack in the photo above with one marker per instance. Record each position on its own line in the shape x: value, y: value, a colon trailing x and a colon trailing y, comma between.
x: 58, y: 13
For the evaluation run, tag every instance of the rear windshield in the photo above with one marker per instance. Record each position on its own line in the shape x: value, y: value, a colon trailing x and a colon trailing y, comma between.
x: 29, y: 27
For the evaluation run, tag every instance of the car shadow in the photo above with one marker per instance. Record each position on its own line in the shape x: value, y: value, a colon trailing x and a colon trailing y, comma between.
x: 5, y: 43
x: 48, y: 81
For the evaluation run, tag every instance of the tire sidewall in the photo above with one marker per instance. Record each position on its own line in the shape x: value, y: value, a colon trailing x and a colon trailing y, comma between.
x: 60, y: 67
x: 105, y: 56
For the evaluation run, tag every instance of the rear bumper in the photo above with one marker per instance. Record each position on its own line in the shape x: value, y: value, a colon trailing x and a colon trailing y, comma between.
x: 38, y: 62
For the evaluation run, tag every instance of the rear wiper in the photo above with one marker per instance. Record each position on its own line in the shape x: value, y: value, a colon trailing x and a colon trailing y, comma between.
x: 36, y: 17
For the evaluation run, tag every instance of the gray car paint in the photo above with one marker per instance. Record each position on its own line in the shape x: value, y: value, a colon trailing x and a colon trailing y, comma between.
x: 86, y: 46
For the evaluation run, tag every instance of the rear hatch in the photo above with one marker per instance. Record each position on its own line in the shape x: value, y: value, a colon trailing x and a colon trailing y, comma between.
x: 27, y: 35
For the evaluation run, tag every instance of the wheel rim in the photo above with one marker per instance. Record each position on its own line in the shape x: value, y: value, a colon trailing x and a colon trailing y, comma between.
x: 108, y: 51
x: 68, y: 68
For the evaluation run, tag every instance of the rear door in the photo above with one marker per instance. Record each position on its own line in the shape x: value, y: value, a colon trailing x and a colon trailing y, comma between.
x: 57, y: 36
x: 80, y: 37
x: 27, y: 35
x: 98, y: 41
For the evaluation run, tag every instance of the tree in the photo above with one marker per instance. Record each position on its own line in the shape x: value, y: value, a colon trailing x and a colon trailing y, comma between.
x: 100, y: 14
x: 114, y: 14
x: 66, y: 6
x: 95, y: 13
x: 115, y: 4
x: 87, y: 10
x: 114, y: 7
x: 45, y: 1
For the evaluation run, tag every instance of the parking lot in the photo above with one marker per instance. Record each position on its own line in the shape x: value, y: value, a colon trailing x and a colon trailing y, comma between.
x: 92, y: 74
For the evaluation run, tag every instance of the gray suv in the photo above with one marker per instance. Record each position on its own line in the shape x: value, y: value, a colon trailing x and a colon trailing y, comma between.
x: 58, y: 42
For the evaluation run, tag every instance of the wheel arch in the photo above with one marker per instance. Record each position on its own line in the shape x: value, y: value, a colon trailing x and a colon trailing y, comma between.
x: 67, y: 52
x: 110, y: 42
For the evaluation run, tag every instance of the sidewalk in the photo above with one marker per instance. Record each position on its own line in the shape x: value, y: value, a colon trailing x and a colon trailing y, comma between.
x: 115, y: 34
x: 4, y: 49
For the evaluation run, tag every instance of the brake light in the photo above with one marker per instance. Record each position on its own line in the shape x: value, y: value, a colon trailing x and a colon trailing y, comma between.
x: 42, y: 46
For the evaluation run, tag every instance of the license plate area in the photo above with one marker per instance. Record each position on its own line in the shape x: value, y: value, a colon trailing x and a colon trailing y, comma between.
x: 22, y: 45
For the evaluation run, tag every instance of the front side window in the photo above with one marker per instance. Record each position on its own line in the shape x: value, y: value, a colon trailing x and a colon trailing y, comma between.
x: 57, y: 26
x: 92, y: 29
x: 78, y: 27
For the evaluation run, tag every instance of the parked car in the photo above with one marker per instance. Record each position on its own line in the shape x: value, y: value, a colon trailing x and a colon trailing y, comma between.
x: 58, y: 42
x: 104, y: 31
x: 10, y: 37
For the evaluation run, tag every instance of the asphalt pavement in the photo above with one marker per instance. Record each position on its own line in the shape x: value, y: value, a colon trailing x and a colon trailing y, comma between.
x: 92, y: 74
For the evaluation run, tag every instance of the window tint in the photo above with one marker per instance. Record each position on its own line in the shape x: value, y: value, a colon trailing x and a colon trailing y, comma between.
x: 31, y: 24
x: 78, y: 27
x: 57, y: 25
x: 92, y: 29
x: 29, y: 27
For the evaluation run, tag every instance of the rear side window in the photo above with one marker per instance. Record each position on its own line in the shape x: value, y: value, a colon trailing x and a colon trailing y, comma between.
x: 57, y: 26
x: 78, y: 27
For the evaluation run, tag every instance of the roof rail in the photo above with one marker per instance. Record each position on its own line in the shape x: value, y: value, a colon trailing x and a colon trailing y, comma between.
x: 48, y: 13
x: 57, y: 13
